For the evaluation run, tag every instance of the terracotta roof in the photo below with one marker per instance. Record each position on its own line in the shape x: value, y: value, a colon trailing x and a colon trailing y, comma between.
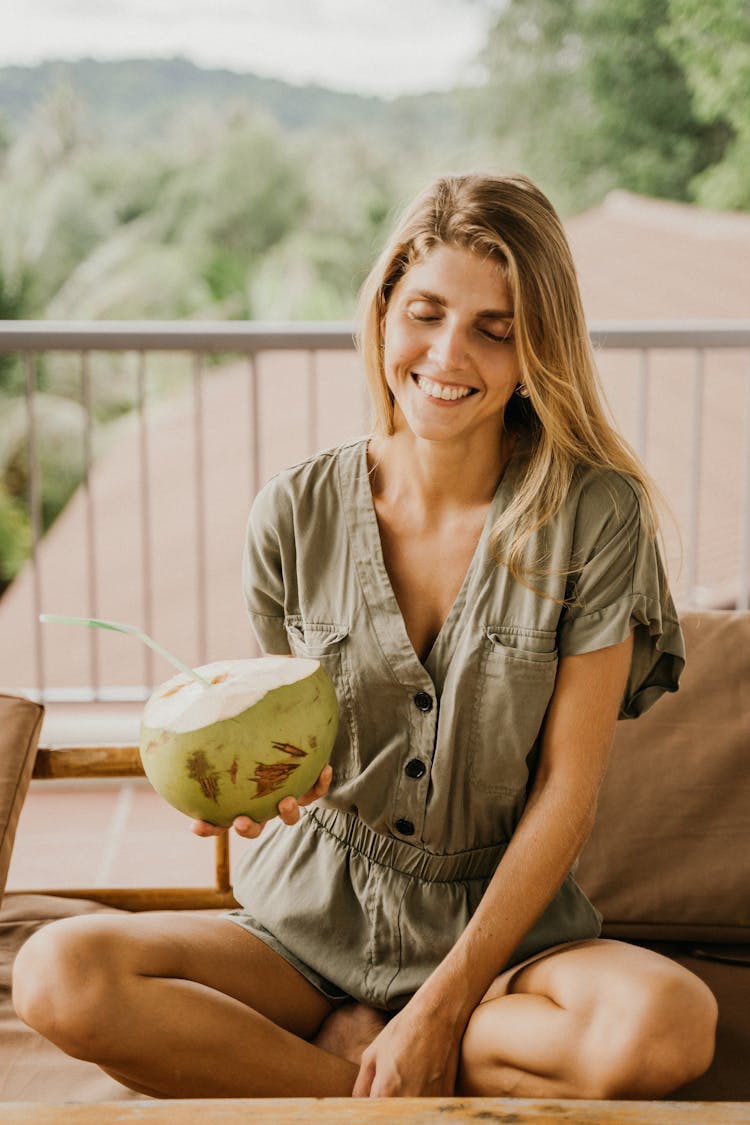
x: 649, y: 259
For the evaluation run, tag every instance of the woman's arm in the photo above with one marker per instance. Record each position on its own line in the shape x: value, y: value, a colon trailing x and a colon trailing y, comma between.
x: 417, y: 1053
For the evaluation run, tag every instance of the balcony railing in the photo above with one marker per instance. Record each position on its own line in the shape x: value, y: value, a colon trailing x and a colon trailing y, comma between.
x: 171, y: 428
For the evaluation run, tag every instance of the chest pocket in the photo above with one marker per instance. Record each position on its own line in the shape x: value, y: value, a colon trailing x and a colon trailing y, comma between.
x: 328, y: 644
x: 515, y: 681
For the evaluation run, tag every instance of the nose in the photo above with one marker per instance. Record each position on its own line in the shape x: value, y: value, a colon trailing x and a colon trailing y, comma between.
x: 449, y: 346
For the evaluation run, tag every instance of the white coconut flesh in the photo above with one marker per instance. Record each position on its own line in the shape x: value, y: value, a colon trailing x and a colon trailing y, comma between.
x: 182, y: 704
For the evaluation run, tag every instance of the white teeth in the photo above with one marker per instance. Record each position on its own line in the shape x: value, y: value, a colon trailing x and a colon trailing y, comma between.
x: 435, y: 390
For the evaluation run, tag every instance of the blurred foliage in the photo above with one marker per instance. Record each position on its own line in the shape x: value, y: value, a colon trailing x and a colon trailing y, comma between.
x: 13, y: 305
x: 15, y: 537
x: 58, y: 429
x: 209, y: 223
x: 712, y: 44
x: 160, y: 191
x: 598, y: 95
x: 157, y: 190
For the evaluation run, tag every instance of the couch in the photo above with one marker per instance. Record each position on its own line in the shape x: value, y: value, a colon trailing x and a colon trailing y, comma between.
x: 668, y: 861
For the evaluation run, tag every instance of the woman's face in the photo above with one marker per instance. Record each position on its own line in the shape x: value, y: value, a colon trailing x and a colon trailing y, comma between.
x: 449, y: 356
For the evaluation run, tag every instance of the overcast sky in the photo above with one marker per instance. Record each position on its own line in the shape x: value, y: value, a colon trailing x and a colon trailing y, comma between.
x: 385, y: 47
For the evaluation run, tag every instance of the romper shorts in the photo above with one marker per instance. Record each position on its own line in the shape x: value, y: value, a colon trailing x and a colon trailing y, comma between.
x: 365, y: 916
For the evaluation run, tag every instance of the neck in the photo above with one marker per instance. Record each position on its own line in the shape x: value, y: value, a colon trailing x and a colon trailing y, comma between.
x: 436, y: 476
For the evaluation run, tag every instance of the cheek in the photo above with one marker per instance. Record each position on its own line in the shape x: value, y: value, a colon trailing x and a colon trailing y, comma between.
x: 398, y: 350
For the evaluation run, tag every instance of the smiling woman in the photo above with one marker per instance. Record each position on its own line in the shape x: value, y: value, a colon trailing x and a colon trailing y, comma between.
x: 517, y: 248
x: 479, y: 577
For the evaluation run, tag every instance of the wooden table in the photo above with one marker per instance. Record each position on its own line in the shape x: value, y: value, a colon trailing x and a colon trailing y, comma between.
x: 376, y: 1111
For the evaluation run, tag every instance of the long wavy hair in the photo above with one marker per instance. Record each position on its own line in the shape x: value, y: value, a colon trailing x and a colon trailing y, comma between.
x: 563, y: 424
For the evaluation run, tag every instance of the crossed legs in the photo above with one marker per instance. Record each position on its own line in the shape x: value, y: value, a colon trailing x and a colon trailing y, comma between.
x: 188, y: 1006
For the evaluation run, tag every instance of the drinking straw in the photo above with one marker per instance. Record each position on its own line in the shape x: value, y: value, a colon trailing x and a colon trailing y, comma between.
x: 96, y: 623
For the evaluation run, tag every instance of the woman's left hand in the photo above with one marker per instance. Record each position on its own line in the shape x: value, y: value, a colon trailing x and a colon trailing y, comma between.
x: 413, y: 1056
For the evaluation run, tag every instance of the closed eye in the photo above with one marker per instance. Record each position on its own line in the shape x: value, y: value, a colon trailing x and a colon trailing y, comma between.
x: 498, y: 338
x: 424, y: 312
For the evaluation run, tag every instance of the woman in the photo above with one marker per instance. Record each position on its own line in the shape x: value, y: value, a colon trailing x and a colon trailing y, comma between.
x: 480, y: 578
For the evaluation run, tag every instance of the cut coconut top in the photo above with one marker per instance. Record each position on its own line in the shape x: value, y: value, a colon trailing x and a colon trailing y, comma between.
x: 182, y: 704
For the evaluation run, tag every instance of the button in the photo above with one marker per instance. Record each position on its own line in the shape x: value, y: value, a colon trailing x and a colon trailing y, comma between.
x: 423, y: 701
x: 415, y: 769
x: 405, y: 827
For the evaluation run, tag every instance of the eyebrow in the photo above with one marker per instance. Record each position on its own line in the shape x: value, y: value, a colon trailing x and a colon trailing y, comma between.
x: 436, y: 299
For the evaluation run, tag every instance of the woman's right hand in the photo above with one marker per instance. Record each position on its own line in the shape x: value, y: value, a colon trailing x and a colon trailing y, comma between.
x: 288, y: 809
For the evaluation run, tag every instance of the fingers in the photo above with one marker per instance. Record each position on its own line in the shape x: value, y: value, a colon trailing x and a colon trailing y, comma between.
x: 242, y: 825
x: 247, y: 828
x: 203, y: 828
x: 363, y: 1085
x: 288, y: 810
x: 319, y: 789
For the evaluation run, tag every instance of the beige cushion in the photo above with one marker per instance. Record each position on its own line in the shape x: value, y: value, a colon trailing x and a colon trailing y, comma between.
x: 669, y: 856
x: 20, y: 723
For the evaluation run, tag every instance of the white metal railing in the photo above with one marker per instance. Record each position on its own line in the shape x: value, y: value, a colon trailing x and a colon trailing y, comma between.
x: 692, y: 348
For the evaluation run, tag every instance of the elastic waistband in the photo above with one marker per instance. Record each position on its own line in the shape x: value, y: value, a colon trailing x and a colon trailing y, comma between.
x: 348, y: 829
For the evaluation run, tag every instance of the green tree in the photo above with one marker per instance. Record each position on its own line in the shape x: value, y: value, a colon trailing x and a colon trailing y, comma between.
x: 595, y: 98
x: 712, y: 44
x: 53, y: 211
x: 236, y: 199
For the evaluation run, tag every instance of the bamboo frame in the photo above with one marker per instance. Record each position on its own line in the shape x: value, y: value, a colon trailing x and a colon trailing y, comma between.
x: 125, y: 761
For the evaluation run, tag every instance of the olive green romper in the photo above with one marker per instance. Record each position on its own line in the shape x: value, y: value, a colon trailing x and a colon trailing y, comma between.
x: 433, y: 761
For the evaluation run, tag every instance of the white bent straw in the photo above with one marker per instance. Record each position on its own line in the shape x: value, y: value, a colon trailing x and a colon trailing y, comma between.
x: 95, y: 623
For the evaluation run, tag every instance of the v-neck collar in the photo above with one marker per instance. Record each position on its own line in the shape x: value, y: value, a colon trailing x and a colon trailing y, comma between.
x: 387, y: 619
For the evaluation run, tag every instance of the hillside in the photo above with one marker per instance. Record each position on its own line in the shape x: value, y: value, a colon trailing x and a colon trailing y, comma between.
x: 139, y: 97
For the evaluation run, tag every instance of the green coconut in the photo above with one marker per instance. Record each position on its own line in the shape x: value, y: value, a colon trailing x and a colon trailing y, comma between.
x: 263, y: 730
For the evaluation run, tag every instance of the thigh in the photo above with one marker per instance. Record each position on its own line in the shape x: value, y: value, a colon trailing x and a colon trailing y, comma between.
x: 208, y: 950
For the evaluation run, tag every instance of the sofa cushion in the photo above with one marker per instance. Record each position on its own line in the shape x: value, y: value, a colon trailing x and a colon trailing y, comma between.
x: 669, y: 856
x: 20, y: 723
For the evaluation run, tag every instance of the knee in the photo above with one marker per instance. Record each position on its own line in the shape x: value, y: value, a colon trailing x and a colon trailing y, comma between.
x: 662, y: 1037
x: 61, y: 983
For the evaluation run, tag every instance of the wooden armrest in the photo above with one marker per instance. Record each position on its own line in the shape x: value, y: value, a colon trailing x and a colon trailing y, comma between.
x: 88, y: 761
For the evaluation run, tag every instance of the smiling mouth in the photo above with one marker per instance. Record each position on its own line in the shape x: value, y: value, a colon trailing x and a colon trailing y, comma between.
x: 442, y: 391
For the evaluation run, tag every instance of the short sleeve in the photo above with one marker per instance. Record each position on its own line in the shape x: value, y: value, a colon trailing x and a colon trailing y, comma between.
x: 262, y: 572
x: 619, y: 585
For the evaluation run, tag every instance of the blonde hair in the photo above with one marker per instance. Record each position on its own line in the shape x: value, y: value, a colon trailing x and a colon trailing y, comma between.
x: 563, y: 423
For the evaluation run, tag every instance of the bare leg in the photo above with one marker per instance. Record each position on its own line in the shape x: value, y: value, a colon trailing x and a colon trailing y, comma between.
x: 178, y: 1006
x: 600, y: 1019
